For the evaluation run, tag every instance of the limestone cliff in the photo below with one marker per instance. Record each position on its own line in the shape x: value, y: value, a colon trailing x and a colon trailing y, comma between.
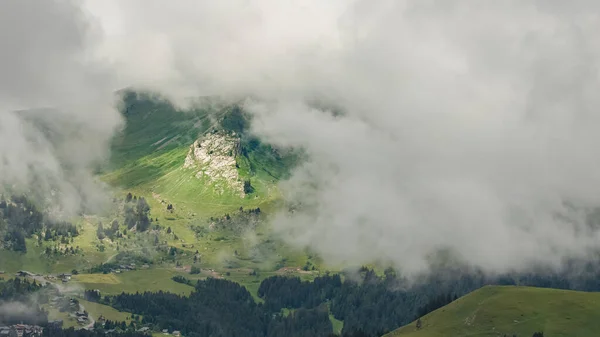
x: 213, y: 156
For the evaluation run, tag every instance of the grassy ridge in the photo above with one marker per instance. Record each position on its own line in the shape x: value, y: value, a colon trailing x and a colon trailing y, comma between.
x: 495, y: 311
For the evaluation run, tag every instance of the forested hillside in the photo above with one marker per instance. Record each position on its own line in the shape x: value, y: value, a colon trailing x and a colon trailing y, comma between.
x: 369, y: 305
x: 20, y: 218
x: 17, y: 305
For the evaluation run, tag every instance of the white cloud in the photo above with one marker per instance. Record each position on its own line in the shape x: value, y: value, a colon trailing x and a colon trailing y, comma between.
x: 467, y: 124
x: 46, y: 65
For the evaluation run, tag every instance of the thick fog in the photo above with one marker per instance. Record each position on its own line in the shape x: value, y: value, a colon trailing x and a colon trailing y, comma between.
x: 45, y: 65
x: 467, y: 126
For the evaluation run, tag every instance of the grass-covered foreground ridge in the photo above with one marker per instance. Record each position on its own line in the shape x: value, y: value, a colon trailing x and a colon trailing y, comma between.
x: 512, y: 310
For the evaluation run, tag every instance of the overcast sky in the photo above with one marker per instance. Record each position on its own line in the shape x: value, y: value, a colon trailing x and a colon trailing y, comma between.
x: 467, y: 126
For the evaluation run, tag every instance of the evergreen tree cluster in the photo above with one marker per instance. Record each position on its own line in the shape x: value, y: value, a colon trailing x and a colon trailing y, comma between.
x: 92, y: 295
x: 368, y: 304
x: 111, y: 232
x: 221, y: 308
x: 183, y: 280
x: 436, y: 303
x: 238, y: 222
x: 137, y: 213
x: 61, y: 230
x: 59, y: 251
x: 290, y: 292
x: 371, y: 304
x: 376, y: 305
x: 71, y: 332
x: 21, y: 219
x: 15, y: 294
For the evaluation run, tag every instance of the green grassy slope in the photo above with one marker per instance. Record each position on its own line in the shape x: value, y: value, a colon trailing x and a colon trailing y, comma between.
x: 148, y: 157
x: 147, y: 160
x: 110, y: 313
x: 495, y: 311
x: 154, y: 125
x: 132, y: 281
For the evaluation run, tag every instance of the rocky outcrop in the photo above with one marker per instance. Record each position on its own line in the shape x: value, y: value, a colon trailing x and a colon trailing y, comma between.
x: 213, y: 156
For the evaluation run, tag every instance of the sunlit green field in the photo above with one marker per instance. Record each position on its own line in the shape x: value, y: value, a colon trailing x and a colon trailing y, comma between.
x: 132, y: 281
x: 496, y: 311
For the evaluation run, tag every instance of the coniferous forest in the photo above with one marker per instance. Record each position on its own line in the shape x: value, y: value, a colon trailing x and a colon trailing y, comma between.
x: 369, y: 305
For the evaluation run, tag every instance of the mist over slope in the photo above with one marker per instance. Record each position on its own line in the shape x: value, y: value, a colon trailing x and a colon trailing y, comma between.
x: 467, y: 127
x: 51, y: 151
x: 207, y: 148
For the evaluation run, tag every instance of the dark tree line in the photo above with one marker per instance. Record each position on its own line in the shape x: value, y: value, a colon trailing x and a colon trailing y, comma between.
x: 60, y: 231
x: 92, y: 295
x: 57, y: 251
x: 290, y: 292
x: 221, y: 308
x: 368, y: 304
x: 435, y: 303
x: 248, y: 188
x: 109, y: 325
x: 71, y: 332
x: 15, y: 296
x: 21, y: 219
x: 183, y: 280
x: 376, y: 305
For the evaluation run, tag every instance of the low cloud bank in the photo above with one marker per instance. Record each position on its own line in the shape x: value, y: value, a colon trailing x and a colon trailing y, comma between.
x: 467, y: 126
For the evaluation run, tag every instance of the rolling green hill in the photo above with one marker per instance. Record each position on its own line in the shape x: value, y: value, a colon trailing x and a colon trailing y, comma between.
x: 508, y: 310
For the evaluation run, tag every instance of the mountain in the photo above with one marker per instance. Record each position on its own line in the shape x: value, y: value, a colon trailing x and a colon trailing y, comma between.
x: 204, y: 180
x: 190, y: 191
x: 203, y: 159
x: 510, y: 310
x: 193, y: 191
